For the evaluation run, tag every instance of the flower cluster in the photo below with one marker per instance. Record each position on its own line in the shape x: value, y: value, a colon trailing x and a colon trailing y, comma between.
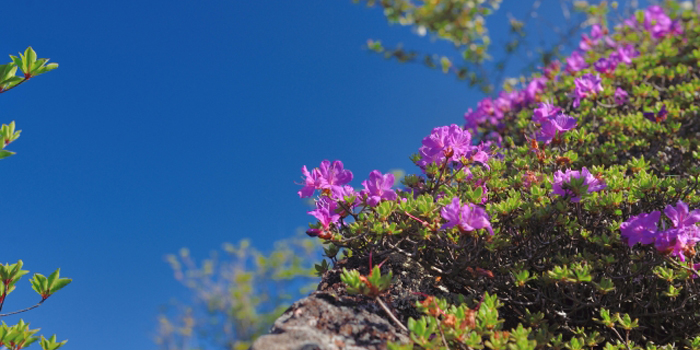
x: 337, y: 198
x: 552, y: 122
x: 678, y: 240
x: 553, y: 125
x: 586, y: 86
x: 466, y: 217
x: 327, y: 177
x: 574, y: 184
x: 452, y: 144
x: 621, y: 96
x: 658, y: 24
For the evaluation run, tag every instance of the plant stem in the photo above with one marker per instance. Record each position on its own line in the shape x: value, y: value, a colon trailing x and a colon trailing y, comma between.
x: 391, y: 315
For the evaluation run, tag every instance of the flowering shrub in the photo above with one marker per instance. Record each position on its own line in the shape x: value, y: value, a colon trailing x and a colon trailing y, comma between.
x: 539, y: 229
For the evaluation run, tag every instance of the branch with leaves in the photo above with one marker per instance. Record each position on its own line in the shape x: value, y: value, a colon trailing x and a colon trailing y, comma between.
x: 20, y: 336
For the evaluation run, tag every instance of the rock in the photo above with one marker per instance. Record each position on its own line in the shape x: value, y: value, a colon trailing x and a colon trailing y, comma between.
x: 330, y: 319
x: 323, y: 321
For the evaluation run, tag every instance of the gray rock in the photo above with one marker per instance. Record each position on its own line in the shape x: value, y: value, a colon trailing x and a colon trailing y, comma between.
x: 330, y: 319
x: 323, y: 321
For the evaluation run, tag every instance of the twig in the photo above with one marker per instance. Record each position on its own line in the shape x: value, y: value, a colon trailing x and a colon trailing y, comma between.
x: 24, y: 310
x: 391, y: 315
x: 14, y: 86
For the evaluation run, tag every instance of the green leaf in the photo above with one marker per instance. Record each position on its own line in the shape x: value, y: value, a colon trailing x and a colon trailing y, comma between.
x: 5, y: 153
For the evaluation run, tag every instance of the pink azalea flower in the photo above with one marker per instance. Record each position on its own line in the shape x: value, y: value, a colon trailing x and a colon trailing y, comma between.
x: 544, y: 111
x: 586, y: 86
x: 378, y: 188
x: 551, y: 127
x: 641, y: 228
x: 621, y: 96
x: 575, y: 62
x: 562, y: 180
x: 467, y: 217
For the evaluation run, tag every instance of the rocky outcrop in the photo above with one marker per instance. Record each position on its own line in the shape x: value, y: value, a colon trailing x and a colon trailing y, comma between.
x: 330, y: 319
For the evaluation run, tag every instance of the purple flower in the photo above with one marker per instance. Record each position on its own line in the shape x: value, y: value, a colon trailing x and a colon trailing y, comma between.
x: 556, y: 125
x: 631, y: 22
x: 325, y: 212
x: 494, y: 137
x: 517, y: 99
x: 624, y: 54
x: 621, y: 96
x: 534, y: 88
x: 487, y: 108
x: 479, y: 153
x: 311, y: 182
x: 586, y: 86
x: 473, y: 119
x: 333, y: 174
x: 658, y: 116
x: 562, y: 183
x: 327, y: 177
x: 503, y: 104
x: 467, y: 217
x: 658, y: 24
x: 680, y: 216
x: 605, y: 66
x: 677, y: 241
x: 641, y: 228
x: 378, y: 187
x: 339, y: 193
x: 544, y: 111
x: 587, y: 42
x: 575, y: 62
x: 442, y: 142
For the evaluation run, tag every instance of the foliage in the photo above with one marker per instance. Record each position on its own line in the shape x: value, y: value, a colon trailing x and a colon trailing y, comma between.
x: 238, y: 296
x: 464, y: 24
x: 19, y: 336
x: 542, y: 198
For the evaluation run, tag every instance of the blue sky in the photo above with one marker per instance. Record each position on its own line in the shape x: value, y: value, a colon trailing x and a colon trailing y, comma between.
x: 176, y: 124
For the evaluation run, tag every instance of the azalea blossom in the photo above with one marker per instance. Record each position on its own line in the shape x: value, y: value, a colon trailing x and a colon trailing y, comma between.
x: 326, y: 177
x: 678, y: 240
x: 562, y: 183
x: 624, y: 54
x: 680, y: 215
x: 605, y: 66
x: 445, y: 143
x: 544, y: 111
x: 575, y: 62
x: 658, y: 24
x: 621, y: 96
x: 378, y: 188
x: 325, y: 212
x: 551, y: 127
x: 640, y: 228
x: 468, y: 217
x: 311, y: 182
x: 586, y: 86
x: 587, y: 42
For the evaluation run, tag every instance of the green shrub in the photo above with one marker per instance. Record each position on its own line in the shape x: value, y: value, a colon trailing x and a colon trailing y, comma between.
x: 527, y: 225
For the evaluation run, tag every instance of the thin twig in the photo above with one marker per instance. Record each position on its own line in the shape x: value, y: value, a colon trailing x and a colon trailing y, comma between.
x: 24, y: 310
x: 391, y: 315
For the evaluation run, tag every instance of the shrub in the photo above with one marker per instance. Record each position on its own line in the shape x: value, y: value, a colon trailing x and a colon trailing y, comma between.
x: 544, y: 210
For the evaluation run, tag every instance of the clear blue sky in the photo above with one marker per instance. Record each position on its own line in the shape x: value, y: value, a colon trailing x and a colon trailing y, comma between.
x: 185, y: 123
